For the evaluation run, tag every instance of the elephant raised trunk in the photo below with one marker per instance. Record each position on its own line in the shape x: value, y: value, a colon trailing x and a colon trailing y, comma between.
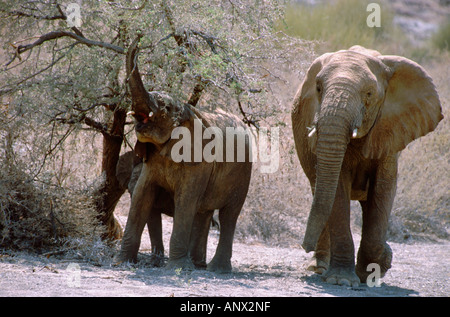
x: 142, y: 104
x: 335, y: 124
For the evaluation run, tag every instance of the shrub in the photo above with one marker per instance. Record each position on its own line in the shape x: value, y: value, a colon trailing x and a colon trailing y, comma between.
x: 35, y: 215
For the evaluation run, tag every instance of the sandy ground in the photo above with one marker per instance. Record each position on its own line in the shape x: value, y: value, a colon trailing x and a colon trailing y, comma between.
x: 420, y: 269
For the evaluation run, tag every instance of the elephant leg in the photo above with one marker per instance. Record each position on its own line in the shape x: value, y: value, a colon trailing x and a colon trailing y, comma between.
x: 321, y: 259
x: 186, y: 200
x: 199, y: 238
x: 342, y: 252
x: 181, y: 233
x: 154, y: 225
x: 141, y: 204
x: 376, y: 211
x: 221, y: 262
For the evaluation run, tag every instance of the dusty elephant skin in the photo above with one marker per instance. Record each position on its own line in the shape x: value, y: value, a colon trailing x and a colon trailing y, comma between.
x: 128, y: 169
x: 354, y: 112
x: 196, y: 188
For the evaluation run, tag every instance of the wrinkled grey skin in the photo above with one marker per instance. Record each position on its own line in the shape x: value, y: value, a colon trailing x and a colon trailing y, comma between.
x: 128, y: 170
x: 354, y: 112
x: 197, y: 188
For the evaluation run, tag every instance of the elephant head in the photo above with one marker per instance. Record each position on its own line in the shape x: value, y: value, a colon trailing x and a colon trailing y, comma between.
x: 360, y: 97
x: 156, y: 113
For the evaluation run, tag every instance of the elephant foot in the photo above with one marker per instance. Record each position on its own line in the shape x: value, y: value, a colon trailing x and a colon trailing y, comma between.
x: 368, y: 256
x: 157, y: 260
x: 201, y: 265
x: 319, y: 263
x: 219, y: 266
x: 184, y: 263
x: 344, y: 276
x: 317, y: 266
x: 123, y: 257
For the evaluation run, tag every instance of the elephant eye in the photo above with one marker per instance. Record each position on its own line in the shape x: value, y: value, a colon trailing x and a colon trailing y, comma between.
x: 371, y: 91
x: 318, y: 88
x: 369, y: 95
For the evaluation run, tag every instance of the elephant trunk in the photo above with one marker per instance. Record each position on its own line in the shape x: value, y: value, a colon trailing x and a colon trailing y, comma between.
x: 334, y: 127
x: 141, y: 103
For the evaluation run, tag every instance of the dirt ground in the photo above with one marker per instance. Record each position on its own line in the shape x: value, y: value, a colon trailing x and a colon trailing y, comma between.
x: 420, y: 269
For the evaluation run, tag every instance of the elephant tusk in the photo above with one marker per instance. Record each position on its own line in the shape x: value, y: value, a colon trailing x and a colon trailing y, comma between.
x: 131, y: 113
x: 311, y: 131
x: 355, y: 133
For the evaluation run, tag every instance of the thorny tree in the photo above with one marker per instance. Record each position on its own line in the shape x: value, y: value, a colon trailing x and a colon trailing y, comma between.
x: 58, y: 80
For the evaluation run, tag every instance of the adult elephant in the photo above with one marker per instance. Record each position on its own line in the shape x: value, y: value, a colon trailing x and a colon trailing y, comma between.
x: 354, y: 112
x: 197, y: 187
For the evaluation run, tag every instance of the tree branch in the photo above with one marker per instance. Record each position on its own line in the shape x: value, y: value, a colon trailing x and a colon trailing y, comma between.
x: 246, y: 120
x: 16, y: 13
x: 100, y: 127
x: 58, y: 34
x: 97, y: 126
x: 15, y: 85
x: 196, y: 94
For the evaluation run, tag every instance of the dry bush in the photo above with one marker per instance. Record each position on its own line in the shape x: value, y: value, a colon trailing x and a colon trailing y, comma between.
x: 38, y: 212
x: 277, y: 204
x: 33, y: 216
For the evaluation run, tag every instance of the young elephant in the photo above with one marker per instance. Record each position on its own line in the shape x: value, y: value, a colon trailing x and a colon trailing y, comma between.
x: 128, y: 169
x: 355, y: 111
x: 197, y: 188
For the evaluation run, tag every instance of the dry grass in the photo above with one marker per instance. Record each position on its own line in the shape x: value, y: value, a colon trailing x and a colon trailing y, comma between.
x: 278, y: 204
x: 341, y: 24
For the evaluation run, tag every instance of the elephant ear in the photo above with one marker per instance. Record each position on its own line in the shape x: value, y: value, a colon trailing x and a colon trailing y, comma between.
x: 306, y: 97
x: 186, y: 122
x: 306, y: 102
x: 411, y: 109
